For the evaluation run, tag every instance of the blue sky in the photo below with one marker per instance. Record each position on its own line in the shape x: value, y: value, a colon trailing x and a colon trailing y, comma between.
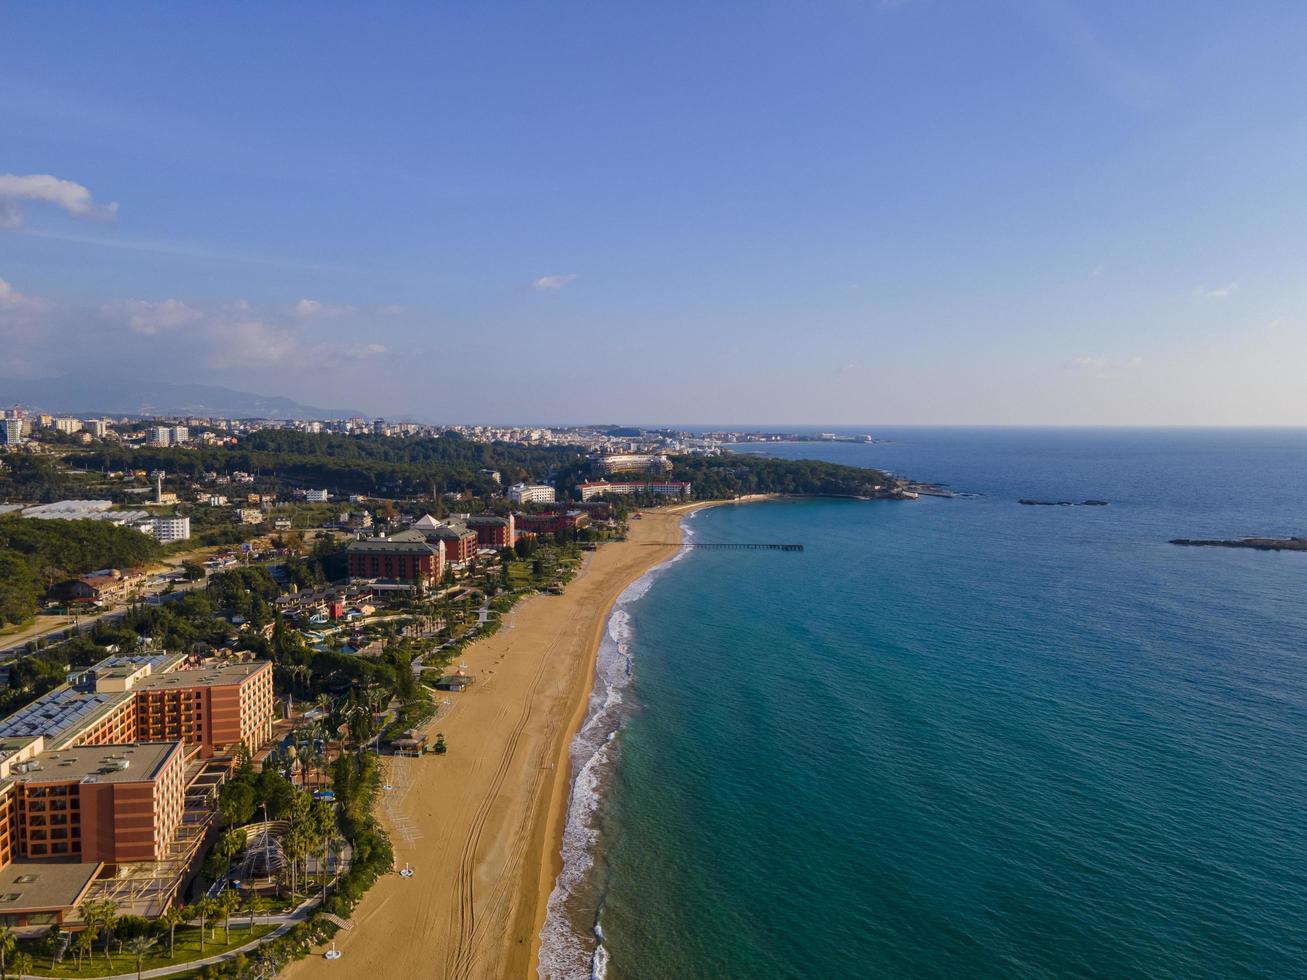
x: 991, y: 211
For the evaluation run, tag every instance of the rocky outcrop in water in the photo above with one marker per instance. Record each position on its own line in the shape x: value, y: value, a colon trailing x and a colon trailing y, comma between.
x: 1256, y: 544
x: 1062, y: 503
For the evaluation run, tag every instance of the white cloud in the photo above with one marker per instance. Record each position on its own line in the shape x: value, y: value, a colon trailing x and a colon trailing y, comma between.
x: 309, y: 308
x: 16, y: 190
x: 139, y: 336
x: 1218, y: 292
x: 350, y: 352
x: 552, y: 282
x: 10, y: 298
x: 149, y: 317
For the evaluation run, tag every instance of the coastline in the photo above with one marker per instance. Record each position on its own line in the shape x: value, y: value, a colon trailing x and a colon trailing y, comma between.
x: 482, y: 826
x: 549, y: 862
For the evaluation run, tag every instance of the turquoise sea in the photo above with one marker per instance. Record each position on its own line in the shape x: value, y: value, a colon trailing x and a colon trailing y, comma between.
x: 960, y: 738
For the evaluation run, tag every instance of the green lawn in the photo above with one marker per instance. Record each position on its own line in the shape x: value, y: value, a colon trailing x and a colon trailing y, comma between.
x: 188, y: 948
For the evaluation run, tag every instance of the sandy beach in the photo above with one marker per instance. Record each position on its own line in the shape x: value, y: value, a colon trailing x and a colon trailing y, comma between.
x: 481, y: 825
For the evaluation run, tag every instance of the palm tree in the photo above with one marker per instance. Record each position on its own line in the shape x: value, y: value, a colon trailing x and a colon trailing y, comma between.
x: 100, y: 918
x: 8, y: 942
x: 295, y: 845
x: 256, y: 905
x: 228, y: 902
x: 23, y: 964
x: 309, y: 760
x: 203, y: 909
x: 84, y: 944
x: 140, y: 946
x: 108, y: 919
x: 231, y: 843
x: 323, y: 819
x: 171, y: 919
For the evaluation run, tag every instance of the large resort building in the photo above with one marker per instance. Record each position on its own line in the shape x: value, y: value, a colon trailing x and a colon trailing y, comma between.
x: 418, y: 556
x: 531, y: 493
x: 631, y: 463
x: 662, y: 488
x: 405, y: 560
x: 108, y: 783
x: 492, y: 531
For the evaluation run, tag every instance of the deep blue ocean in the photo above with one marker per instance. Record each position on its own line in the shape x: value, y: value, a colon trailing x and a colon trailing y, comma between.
x: 964, y: 738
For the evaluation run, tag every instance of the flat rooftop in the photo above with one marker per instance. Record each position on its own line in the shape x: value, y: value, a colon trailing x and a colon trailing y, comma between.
x: 214, y: 676
x: 101, y: 763
x: 56, y: 713
x: 27, y: 886
x: 60, y: 711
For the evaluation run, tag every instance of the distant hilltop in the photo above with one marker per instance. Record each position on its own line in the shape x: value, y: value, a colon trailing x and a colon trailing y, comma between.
x: 95, y: 395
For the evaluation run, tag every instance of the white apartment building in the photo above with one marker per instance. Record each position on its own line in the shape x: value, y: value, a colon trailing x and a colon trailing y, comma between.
x: 12, y: 432
x: 68, y: 426
x: 531, y: 493
x: 317, y: 496
x: 666, y: 488
x: 169, y: 529
x: 159, y: 435
x: 180, y: 434
x: 96, y: 427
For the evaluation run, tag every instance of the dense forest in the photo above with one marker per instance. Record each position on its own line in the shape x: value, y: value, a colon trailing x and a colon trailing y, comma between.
x: 30, y: 477
x: 730, y: 474
x: 352, y: 464
x: 35, y: 555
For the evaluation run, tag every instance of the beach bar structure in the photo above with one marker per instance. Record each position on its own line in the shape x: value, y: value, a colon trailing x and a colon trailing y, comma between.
x: 457, y: 682
x: 412, y: 742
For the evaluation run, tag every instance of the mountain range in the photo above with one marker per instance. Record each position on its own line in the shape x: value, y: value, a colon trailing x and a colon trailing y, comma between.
x: 89, y: 394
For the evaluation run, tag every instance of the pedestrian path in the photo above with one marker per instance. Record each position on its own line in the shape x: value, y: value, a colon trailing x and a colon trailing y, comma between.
x: 284, y: 924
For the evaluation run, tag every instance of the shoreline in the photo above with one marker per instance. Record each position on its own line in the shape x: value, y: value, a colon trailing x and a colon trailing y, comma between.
x: 554, y: 825
x: 482, y: 825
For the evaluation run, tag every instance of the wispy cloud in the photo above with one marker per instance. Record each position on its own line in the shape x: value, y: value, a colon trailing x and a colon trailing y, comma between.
x: 310, y: 308
x: 42, y: 337
x: 17, y: 190
x: 1218, y: 292
x: 182, y: 250
x: 149, y: 317
x: 553, y: 282
x: 12, y: 300
x: 1072, y: 30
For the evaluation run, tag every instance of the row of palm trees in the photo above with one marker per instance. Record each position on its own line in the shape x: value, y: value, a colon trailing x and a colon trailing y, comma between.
x: 103, y: 921
x: 312, y: 833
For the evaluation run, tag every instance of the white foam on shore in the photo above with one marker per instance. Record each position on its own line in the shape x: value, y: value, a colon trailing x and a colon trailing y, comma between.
x: 566, y: 954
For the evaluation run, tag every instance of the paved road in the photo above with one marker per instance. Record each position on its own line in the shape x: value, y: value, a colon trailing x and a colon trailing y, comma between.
x: 17, y: 644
